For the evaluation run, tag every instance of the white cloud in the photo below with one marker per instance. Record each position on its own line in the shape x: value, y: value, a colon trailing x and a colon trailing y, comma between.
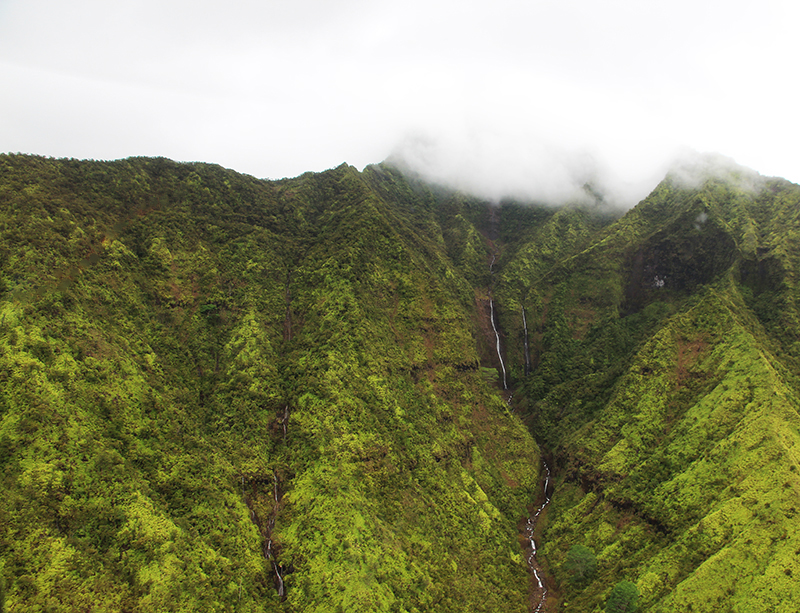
x: 514, y: 95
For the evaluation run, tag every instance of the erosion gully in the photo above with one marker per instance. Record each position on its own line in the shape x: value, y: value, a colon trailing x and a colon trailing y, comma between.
x: 539, y: 588
x: 529, y: 532
x: 267, y: 525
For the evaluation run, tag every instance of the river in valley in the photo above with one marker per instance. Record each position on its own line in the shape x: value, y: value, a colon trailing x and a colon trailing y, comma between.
x: 538, y: 598
x: 538, y: 586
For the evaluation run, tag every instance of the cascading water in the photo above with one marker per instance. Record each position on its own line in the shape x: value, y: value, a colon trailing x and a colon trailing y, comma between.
x: 497, y: 338
x: 266, y: 528
x: 530, y: 523
x: 281, y: 590
x: 530, y: 531
x: 494, y: 326
x: 527, y: 350
x: 269, y: 553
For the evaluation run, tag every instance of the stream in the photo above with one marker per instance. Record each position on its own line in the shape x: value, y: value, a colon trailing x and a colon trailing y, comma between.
x: 276, y: 567
x: 529, y: 531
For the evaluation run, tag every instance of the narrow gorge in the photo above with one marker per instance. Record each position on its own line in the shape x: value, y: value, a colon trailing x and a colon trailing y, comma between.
x: 538, y: 597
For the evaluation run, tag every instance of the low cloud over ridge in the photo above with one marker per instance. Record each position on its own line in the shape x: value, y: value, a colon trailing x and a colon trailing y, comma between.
x: 504, y: 98
x: 496, y: 166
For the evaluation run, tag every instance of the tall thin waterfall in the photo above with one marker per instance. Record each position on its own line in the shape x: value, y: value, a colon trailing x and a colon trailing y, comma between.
x: 494, y: 326
x: 527, y: 350
x: 497, y: 338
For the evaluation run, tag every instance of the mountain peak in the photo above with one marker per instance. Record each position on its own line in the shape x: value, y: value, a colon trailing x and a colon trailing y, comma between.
x: 692, y: 169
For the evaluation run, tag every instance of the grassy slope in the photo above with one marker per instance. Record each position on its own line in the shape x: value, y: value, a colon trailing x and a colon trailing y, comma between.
x: 671, y: 409
x: 162, y: 323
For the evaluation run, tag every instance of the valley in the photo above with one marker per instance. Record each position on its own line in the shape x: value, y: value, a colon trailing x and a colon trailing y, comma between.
x: 224, y: 393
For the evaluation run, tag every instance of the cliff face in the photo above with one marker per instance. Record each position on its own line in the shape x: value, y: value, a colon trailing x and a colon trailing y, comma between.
x: 231, y: 394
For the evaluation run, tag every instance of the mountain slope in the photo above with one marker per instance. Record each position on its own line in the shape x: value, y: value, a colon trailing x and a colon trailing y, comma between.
x: 222, y: 393
x: 665, y: 386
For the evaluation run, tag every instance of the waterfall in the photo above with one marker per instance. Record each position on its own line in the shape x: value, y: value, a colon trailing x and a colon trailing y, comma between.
x: 497, y: 337
x: 269, y: 554
x: 494, y: 326
x: 281, y: 591
x: 266, y: 529
x: 530, y: 530
x: 527, y: 350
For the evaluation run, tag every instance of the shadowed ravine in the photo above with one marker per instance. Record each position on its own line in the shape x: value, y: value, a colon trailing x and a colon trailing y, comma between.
x: 529, y: 534
x: 538, y: 588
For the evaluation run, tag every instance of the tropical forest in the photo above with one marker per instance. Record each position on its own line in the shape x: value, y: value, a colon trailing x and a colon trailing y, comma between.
x: 361, y: 392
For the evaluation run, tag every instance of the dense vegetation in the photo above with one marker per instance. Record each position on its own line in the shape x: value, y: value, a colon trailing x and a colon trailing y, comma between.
x: 209, y: 381
x: 221, y: 393
x: 665, y: 386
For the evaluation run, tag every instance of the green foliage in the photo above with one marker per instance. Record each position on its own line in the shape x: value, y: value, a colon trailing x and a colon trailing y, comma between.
x: 623, y: 598
x: 196, y: 364
x: 671, y: 409
x: 581, y: 564
x: 199, y: 367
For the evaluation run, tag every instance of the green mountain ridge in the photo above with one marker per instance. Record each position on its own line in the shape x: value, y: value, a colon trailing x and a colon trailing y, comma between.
x: 677, y: 460
x: 225, y: 393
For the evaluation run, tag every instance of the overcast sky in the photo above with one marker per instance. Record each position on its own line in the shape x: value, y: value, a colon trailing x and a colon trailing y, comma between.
x: 499, y: 97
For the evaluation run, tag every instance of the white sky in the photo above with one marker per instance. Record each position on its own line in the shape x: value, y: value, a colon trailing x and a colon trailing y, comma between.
x: 507, y: 96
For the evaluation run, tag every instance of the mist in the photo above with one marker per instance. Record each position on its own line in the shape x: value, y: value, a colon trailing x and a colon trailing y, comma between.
x: 529, y: 167
x: 504, y: 99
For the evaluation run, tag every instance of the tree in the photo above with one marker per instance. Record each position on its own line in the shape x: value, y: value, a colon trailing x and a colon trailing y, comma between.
x: 581, y: 564
x: 623, y: 598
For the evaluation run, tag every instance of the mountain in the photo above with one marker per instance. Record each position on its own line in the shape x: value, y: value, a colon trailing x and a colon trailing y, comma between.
x: 664, y: 382
x: 221, y: 393
x: 224, y: 393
